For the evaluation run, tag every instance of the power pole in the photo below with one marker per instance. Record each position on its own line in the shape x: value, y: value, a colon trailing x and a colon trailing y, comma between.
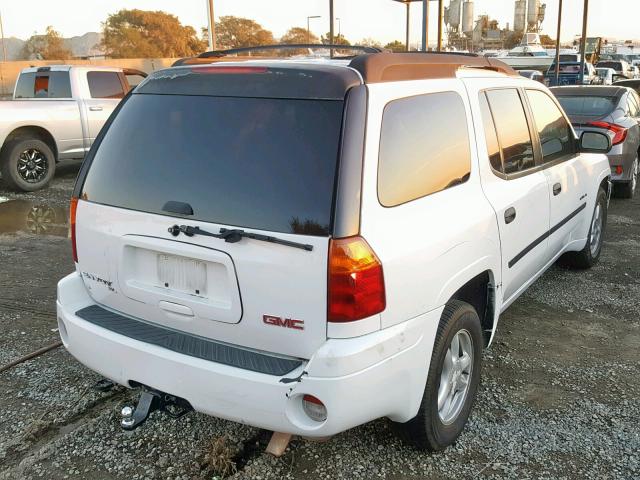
x: 408, y: 4
x: 583, y: 40
x: 440, y: 12
x: 212, y: 25
x: 4, y: 45
x: 425, y: 25
x: 557, y: 60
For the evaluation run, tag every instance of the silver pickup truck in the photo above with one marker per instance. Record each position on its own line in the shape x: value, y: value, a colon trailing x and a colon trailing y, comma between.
x: 55, y: 114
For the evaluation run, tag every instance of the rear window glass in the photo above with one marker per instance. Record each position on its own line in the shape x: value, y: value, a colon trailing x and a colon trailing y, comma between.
x: 617, y: 66
x: 105, y: 85
x: 251, y: 162
x: 43, y: 85
x: 587, y: 106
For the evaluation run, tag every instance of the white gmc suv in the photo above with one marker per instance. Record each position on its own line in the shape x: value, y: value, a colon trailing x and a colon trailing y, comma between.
x: 305, y: 246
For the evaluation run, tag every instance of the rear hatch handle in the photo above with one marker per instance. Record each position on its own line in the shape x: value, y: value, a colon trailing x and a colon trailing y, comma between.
x: 235, y: 235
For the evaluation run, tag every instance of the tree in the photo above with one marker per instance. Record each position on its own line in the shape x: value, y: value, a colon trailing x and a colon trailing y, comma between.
x: 547, y: 41
x: 236, y: 32
x: 396, y: 46
x: 370, y: 42
x: 299, y: 35
x: 337, y: 39
x: 147, y: 34
x: 49, y: 46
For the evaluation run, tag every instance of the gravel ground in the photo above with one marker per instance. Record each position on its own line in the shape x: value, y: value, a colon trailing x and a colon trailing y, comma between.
x: 558, y: 399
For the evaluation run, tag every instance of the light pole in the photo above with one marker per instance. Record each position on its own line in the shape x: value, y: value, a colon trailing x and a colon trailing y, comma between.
x: 308, y: 28
x: 583, y: 40
x: 212, y: 25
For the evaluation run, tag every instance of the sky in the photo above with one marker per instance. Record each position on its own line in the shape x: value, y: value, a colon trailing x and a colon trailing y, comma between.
x: 383, y: 20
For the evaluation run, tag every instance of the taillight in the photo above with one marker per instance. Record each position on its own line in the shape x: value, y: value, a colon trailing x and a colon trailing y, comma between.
x: 355, y: 281
x: 619, y: 133
x: 618, y: 169
x: 72, y: 221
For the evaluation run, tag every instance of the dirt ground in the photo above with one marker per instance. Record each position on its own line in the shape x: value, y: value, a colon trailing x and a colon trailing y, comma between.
x: 558, y: 398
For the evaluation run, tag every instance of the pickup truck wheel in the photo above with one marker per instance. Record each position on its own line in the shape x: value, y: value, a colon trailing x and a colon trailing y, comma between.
x: 454, y: 374
x: 27, y: 164
x: 589, y: 255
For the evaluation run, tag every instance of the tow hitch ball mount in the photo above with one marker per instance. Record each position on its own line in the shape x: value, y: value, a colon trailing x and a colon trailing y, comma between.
x: 150, y: 401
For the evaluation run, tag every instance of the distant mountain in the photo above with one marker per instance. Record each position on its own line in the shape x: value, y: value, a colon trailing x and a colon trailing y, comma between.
x: 82, y: 46
x: 14, y: 48
x: 85, y: 45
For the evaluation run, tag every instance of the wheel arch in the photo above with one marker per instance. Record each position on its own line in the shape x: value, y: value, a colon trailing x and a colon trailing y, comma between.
x: 480, y: 292
x: 31, y: 131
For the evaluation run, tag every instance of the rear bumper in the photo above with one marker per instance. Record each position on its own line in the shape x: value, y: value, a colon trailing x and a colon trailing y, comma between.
x: 623, y: 159
x: 358, y: 380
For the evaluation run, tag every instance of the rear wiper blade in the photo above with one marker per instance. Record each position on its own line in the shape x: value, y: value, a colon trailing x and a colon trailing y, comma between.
x: 235, y: 235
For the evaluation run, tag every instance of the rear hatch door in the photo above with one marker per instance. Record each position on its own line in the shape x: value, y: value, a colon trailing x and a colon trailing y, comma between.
x: 266, y: 166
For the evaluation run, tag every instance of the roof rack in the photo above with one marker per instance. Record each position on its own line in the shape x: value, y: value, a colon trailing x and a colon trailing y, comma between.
x: 289, y: 46
x: 391, y: 67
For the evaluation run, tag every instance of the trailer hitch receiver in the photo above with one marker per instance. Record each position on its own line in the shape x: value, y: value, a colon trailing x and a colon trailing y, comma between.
x: 151, y: 400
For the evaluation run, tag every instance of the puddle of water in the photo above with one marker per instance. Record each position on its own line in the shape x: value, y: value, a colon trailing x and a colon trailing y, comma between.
x: 27, y: 216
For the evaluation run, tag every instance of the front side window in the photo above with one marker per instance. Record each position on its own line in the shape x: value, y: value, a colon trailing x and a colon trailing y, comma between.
x: 556, y: 137
x: 424, y: 147
x: 43, y: 85
x: 105, y: 85
x: 513, y: 130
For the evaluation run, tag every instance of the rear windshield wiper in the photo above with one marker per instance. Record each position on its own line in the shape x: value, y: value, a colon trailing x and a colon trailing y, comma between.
x: 235, y: 235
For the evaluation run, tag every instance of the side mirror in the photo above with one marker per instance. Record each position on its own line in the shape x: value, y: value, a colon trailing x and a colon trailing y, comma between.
x: 595, y: 142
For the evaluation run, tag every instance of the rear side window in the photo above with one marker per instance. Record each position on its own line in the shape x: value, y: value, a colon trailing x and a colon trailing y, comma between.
x: 556, y: 137
x: 634, y: 107
x: 424, y: 147
x: 513, y: 130
x: 587, y: 106
x: 493, y: 147
x: 105, y: 85
x: 249, y: 162
x: 43, y: 85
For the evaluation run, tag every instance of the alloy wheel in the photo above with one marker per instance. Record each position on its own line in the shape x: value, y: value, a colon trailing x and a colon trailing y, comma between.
x: 455, y: 377
x: 32, y: 165
x: 596, y: 230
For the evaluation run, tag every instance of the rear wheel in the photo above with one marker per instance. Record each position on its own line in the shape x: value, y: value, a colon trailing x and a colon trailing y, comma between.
x: 454, y: 374
x: 589, y: 255
x: 27, y: 164
x: 627, y: 189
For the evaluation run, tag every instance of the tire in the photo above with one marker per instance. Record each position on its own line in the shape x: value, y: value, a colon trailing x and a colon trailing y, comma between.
x: 433, y: 429
x: 590, y: 254
x: 27, y: 164
x: 627, y: 189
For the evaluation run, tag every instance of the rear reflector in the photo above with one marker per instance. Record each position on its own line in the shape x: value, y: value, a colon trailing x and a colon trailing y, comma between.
x: 314, y: 408
x: 619, y: 133
x: 229, y: 70
x: 355, y: 281
x: 72, y: 221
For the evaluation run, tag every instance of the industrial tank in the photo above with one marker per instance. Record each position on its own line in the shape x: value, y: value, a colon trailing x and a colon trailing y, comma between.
x: 467, y: 17
x: 454, y: 14
x: 520, y: 16
x: 532, y: 14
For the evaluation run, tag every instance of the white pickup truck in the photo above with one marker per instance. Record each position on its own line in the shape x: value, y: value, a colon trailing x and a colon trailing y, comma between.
x: 55, y: 114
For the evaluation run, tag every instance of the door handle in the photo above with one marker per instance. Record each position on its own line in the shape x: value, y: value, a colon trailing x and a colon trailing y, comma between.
x: 557, y: 188
x: 95, y: 109
x: 509, y: 215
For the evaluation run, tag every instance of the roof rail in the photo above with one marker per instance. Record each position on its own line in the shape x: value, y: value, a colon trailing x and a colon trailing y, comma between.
x: 391, y: 67
x: 357, y: 49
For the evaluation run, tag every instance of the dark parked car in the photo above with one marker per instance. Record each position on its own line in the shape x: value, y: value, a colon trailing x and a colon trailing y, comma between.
x: 631, y: 83
x: 533, y: 75
x: 616, y: 111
